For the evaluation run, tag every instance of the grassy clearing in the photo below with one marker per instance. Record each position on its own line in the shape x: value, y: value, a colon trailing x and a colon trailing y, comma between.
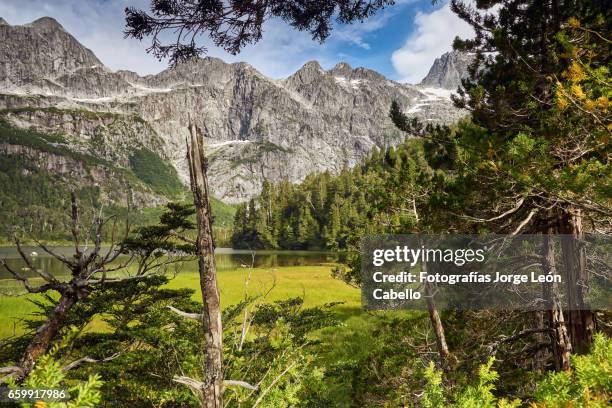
x: 338, y: 349
x: 314, y: 283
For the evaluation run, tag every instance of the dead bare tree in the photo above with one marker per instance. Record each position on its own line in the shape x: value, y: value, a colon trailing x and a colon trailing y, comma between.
x: 90, y: 268
x: 212, y: 386
x: 436, y: 321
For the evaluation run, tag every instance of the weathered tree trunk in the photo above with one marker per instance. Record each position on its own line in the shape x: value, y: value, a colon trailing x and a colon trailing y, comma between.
x: 46, y: 333
x: 211, y: 312
x: 436, y: 322
x: 581, y: 320
x: 561, y: 345
x: 539, y: 362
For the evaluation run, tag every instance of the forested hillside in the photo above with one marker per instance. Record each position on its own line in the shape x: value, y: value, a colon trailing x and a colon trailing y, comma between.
x: 333, y: 211
x: 39, y: 170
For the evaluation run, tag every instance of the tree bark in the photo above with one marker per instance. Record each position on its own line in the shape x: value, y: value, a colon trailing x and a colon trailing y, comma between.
x: 539, y: 362
x: 436, y: 322
x: 212, y: 387
x: 581, y: 320
x: 46, y: 333
x: 561, y: 344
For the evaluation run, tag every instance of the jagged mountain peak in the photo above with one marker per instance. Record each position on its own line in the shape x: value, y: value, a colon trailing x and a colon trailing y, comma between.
x: 3, y: 21
x: 308, y: 73
x: 448, y: 70
x: 309, y: 68
x: 257, y: 128
x: 36, y: 54
x: 342, y: 69
x: 369, y: 74
x: 48, y: 23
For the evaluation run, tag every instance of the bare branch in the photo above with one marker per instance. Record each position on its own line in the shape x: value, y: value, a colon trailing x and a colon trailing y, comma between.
x: 46, y: 276
x: 194, y: 385
x: 192, y: 316
x: 75, y: 225
x: 243, y: 384
x: 525, y: 221
x: 59, y: 257
x: 10, y: 371
x: 182, y: 237
x: 26, y: 283
x: 508, y: 339
x: 511, y: 211
x: 84, y: 360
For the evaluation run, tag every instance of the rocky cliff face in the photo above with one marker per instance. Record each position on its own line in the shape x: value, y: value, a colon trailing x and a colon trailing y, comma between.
x: 448, y: 71
x: 108, y: 179
x: 36, y: 54
x: 109, y: 136
x: 256, y: 127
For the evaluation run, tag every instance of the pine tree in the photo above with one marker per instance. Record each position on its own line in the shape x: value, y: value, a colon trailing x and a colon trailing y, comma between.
x: 531, y: 153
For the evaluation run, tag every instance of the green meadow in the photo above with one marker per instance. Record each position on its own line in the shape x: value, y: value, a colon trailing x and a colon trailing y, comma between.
x: 314, y: 283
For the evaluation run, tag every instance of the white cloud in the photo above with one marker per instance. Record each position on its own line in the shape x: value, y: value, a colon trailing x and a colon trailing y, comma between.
x: 280, y: 52
x: 99, y: 26
x: 432, y: 36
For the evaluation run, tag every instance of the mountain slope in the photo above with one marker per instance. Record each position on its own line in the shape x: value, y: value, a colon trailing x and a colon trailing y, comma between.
x: 35, y: 54
x: 256, y: 127
x: 448, y: 70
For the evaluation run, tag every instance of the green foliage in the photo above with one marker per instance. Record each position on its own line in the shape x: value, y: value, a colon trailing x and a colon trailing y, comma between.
x: 50, y: 143
x: 277, y: 353
x: 479, y: 395
x: 160, y: 343
x: 223, y: 214
x: 333, y: 212
x: 35, y: 201
x: 535, y: 98
x: 433, y: 396
x: 48, y: 374
x: 587, y: 385
x: 156, y: 345
x: 151, y: 169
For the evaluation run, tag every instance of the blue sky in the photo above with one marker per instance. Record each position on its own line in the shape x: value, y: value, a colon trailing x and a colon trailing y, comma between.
x: 401, y: 42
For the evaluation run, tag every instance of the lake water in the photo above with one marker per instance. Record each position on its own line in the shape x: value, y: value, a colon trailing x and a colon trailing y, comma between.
x: 226, y: 259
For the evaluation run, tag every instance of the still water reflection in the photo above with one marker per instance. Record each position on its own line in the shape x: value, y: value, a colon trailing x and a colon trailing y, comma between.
x: 226, y: 259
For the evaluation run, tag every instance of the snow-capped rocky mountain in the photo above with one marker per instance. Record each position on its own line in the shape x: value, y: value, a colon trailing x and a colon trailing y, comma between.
x: 256, y: 127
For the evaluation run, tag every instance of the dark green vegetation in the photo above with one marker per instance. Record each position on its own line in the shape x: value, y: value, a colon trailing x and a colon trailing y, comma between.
x: 48, y: 143
x: 35, y: 191
x: 332, y: 212
x: 234, y: 25
x: 161, y: 176
x: 532, y: 158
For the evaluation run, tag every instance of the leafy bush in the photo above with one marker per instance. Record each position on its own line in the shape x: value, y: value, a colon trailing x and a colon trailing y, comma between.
x: 479, y: 395
x: 587, y: 385
x: 48, y: 374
